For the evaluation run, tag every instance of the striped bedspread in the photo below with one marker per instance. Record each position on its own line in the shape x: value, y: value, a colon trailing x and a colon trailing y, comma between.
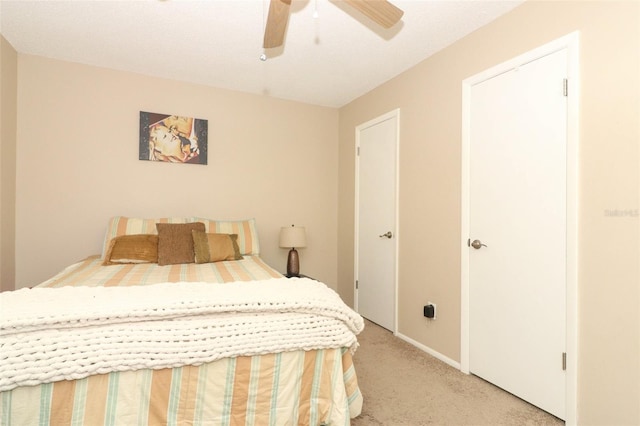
x: 291, y: 388
x: 313, y: 387
x: 90, y: 272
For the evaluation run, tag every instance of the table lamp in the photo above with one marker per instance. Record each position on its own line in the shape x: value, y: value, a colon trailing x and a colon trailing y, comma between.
x: 292, y: 237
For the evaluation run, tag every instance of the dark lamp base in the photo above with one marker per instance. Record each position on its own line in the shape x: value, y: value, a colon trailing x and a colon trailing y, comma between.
x: 293, y: 263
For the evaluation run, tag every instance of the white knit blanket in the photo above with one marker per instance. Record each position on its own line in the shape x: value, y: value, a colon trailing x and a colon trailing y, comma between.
x: 51, y: 334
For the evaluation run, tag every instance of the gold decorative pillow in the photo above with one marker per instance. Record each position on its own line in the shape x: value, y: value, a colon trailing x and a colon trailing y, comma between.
x: 122, y: 225
x: 136, y: 248
x: 175, y: 242
x: 210, y: 247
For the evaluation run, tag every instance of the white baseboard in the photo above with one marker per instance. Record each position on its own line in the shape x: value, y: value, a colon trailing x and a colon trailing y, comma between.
x: 433, y: 353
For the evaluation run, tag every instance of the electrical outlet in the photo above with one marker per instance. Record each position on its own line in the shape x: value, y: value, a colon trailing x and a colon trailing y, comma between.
x: 429, y: 310
x: 435, y: 310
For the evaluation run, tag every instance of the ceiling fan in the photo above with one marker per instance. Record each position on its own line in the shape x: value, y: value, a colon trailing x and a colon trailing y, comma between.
x: 381, y: 12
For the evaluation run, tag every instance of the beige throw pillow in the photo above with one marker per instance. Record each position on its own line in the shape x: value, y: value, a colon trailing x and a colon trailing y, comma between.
x: 210, y: 247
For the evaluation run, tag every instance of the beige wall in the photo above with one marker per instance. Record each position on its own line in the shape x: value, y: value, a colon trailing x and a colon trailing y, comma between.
x: 429, y: 97
x: 8, y: 107
x: 77, y: 165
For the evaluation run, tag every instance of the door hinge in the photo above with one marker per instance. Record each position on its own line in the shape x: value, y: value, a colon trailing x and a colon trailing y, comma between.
x: 356, y: 284
x: 565, y: 87
x: 358, y: 151
x: 564, y: 361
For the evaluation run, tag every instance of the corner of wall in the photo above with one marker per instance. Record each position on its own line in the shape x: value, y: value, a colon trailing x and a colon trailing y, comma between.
x: 8, y: 129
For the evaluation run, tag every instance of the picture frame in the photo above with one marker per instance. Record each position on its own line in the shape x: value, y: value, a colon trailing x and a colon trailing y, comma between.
x: 171, y: 138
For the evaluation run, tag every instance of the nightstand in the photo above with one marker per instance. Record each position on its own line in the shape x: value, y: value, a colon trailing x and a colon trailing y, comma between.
x: 300, y: 276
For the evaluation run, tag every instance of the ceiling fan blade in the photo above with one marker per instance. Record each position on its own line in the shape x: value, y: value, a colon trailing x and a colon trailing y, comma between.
x: 276, y: 23
x: 381, y: 12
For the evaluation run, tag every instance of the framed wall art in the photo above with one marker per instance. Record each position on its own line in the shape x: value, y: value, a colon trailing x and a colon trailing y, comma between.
x: 173, y: 138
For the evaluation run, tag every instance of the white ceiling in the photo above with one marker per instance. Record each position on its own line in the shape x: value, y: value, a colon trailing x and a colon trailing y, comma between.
x: 329, y: 60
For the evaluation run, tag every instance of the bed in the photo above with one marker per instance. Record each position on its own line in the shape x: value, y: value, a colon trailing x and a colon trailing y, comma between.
x: 139, y: 335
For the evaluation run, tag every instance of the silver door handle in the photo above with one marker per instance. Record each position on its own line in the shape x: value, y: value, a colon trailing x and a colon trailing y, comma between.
x: 477, y: 244
x: 387, y: 234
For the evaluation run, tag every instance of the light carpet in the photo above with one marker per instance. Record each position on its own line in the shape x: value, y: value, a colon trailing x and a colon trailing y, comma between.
x: 404, y: 386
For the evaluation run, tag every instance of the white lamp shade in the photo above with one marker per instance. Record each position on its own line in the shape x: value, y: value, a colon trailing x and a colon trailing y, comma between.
x: 293, y: 236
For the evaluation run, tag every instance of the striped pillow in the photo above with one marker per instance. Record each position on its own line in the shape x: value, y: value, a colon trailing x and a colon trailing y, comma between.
x: 120, y: 225
x: 246, y: 230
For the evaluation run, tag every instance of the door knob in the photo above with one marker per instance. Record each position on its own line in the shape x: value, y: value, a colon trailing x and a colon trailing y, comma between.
x: 387, y: 234
x: 477, y: 244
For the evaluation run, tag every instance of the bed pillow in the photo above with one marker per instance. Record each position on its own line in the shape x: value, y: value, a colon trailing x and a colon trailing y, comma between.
x: 245, y: 230
x: 140, y: 248
x: 215, y: 247
x: 175, y: 242
x: 121, y: 225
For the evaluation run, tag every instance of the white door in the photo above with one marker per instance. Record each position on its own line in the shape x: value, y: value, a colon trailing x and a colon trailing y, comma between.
x: 376, y: 219
x: 517, y: 210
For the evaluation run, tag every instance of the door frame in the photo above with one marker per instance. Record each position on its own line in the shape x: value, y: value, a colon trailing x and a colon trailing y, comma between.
x: 571, y: 43
x: 393, y: 114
